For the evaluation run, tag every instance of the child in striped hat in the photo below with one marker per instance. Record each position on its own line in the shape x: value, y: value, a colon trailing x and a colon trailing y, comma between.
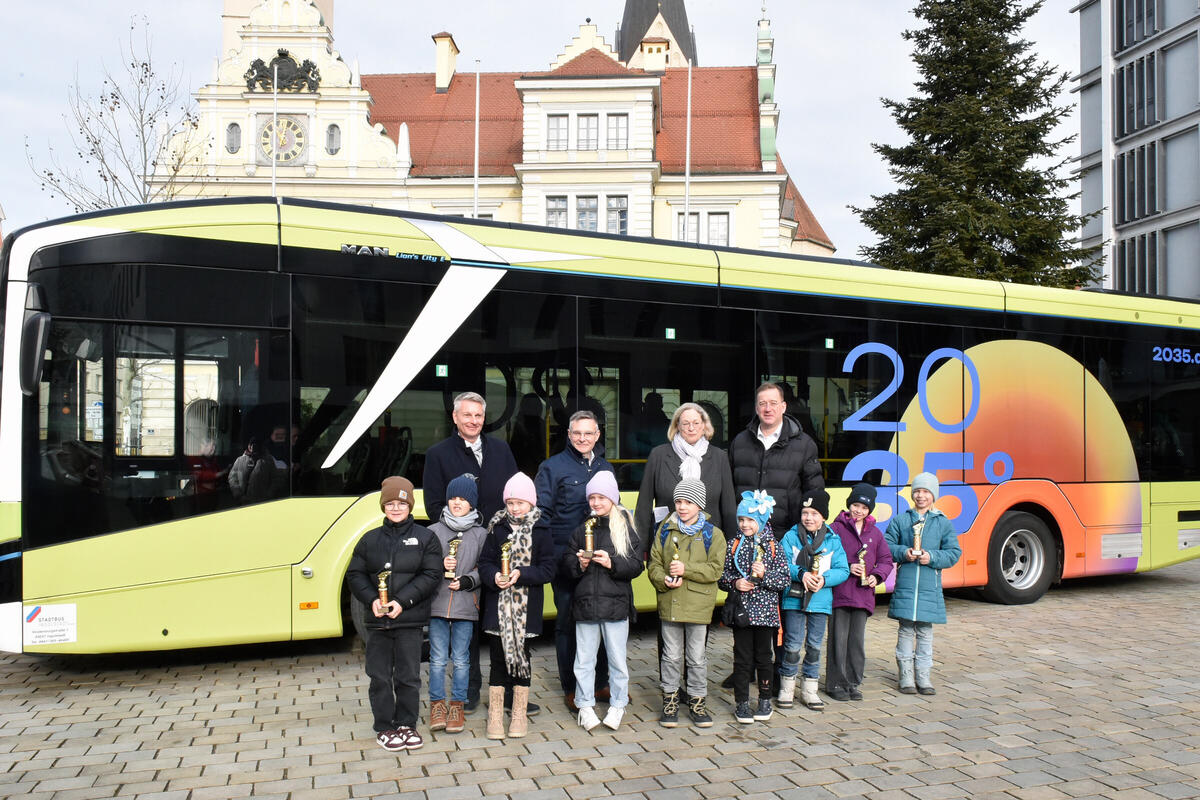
x: 686, y: 558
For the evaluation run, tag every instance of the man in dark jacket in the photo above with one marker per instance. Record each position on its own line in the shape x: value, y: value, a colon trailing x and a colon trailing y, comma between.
x: 468, y: 451
x: 406, y: 559
x: 561, y: 484
x: 774, y: 454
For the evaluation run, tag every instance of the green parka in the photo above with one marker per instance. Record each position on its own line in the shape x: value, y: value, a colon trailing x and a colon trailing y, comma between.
x: 694, y: 600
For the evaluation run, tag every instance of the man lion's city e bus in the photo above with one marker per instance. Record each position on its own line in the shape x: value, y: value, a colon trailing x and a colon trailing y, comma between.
x: 146, y: 350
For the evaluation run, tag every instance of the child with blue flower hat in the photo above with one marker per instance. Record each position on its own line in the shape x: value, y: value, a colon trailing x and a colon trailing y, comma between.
x: 755, y: 576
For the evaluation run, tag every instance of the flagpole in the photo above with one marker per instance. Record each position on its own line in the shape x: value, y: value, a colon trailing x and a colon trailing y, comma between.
x: 687, y: 166
x: 475, y: 204
x: 274, y: 127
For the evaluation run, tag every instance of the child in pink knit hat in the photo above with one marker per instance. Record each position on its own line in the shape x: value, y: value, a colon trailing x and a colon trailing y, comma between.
x: 516, y: 563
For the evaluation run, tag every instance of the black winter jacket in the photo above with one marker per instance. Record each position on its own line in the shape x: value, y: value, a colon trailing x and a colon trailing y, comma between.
x: 786, y: 471
x: 536, y: 575
x: 416, y: 558
x: 602, y: 594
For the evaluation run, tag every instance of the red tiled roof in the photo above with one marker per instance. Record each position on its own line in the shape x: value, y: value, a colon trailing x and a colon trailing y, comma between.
x: 724, y: 121
x: 795, y: 208
x: 442, y: 138
x: 441, y: 125
x: 592, y: 62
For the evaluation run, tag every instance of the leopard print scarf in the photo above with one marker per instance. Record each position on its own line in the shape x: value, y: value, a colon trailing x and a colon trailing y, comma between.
x: 513, y: 603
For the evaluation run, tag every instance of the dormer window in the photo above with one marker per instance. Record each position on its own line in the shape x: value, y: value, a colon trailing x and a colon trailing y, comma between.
x: 618, y: 131
x: 589, y: 132
x: 556, y: 132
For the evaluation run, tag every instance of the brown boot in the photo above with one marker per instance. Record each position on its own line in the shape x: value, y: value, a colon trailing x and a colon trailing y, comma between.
x: 437, y: 715
x: 495, y: 723
x: 455, y: 719
x: 518, y: 723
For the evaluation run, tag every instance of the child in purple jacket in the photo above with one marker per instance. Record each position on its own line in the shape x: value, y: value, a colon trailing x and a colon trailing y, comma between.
x: 854, y: 599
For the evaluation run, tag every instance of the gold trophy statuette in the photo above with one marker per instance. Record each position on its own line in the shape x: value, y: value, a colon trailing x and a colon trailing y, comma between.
x: 506, y: 559
x: 815, y: 566
x: 862, y: 562
x: 589, y: 538
x: 454, y: 543
x: 383, y: 579
x: 916, y: 545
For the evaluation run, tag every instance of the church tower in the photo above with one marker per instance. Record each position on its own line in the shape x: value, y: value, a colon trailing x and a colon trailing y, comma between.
x: 661, y: 23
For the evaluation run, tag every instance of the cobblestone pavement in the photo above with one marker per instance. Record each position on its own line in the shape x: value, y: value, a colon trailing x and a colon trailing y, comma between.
x: 1091, y: 692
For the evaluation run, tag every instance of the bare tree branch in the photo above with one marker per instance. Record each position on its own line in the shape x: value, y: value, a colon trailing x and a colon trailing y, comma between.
x: 136, y: 141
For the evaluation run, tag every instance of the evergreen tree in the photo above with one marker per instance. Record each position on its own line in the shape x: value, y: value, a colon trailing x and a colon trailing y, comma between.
x: 976, y: 196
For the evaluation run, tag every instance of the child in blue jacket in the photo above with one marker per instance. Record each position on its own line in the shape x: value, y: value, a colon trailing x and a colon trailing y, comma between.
x: 917, y: 600
x: 807, y: 606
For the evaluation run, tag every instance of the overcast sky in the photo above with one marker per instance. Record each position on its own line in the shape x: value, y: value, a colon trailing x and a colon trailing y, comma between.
x: 835, y: 60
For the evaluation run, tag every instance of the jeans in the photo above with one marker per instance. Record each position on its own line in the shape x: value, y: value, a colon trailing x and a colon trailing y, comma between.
x: 393, y: 662
x: 805, y: 630
x: 449, y: 638
x: 920, y: 633
x: 564, y: 640
x: 678, y: 636
x: 588, y: 636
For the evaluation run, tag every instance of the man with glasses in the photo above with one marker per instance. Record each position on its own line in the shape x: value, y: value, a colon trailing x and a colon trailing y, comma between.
x: 561, y: 485
x: 775, y: 455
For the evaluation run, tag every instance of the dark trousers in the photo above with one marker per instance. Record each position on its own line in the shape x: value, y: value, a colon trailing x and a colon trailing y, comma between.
x: 499, y: 675
x: 393, y: 665
x: 753, y: 657
x: 847, y: 648
x: 564, y: 642
x: 476, y: 680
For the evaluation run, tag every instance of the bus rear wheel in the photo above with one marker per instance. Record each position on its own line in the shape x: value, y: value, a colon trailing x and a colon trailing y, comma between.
x: 1020, y: 561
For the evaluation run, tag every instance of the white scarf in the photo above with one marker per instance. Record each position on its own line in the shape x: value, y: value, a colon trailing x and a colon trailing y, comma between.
x: 689, y: 456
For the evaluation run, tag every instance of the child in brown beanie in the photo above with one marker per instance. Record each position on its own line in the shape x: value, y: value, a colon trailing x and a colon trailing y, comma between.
x: 404, y: 559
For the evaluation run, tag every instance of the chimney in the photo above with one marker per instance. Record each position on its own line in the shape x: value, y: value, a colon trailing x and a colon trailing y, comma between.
x: 655, y: 53
x: 446, y: 52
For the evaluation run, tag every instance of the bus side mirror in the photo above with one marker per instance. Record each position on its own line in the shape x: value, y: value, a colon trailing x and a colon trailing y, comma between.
x: 35, y: 333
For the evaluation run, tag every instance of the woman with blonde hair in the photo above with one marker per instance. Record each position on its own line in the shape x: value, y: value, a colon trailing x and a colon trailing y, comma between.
x: 688, y: 455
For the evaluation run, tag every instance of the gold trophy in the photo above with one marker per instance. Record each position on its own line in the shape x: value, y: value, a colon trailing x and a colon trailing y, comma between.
x: 506, y: 559
x: 383, y: 579
x: 916, y: 545
x: 759, y: 553
x: 454, y: 543
x: 589, y: 538
x: 814, y: 568
x: 862, y: 563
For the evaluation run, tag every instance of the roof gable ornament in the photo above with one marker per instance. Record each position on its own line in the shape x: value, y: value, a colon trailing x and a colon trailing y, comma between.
x: 588, y: 39
x: 293, y: 76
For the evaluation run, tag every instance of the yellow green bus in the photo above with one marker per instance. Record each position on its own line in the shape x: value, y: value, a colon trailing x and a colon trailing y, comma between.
x: 144, y: 349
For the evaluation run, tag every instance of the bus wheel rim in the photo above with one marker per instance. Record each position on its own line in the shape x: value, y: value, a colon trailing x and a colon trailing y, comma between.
x: 1022, y: 559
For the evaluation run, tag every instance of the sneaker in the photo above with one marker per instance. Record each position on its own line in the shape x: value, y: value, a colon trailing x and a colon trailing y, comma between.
x: 764, y: 711
x: 588, y: 718
x: 437, y: 715
x: 700, y: 716
x: 412, y: 740
x: 669, y: 718
x: 613, y: 718
x: 855, y: 694
x: 390, y: 741
x: 927, y: 690
x: 742, y: 713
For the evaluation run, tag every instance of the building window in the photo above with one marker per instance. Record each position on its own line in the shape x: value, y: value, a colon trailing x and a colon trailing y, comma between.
x: 618, y: 131
x: 1137, y: 264
x: 586, y: 213
x: 618, y: 215
x: 556, y: 132
x: 556, y: 212
x: 1136, y: 183
x: 1137, y: 95
x: 589, y: 132
x: 693, y: 227
x: 333, y: 140
x: 233, y: 137
x: 718, y: 229
x: 1135, y: 21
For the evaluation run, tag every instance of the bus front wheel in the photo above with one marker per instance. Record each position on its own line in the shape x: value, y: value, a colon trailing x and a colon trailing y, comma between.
x: 1021, y: 559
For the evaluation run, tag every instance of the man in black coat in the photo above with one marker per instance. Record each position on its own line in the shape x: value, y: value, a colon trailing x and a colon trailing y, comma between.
x: 468, y: 451
x: 775, y: 455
